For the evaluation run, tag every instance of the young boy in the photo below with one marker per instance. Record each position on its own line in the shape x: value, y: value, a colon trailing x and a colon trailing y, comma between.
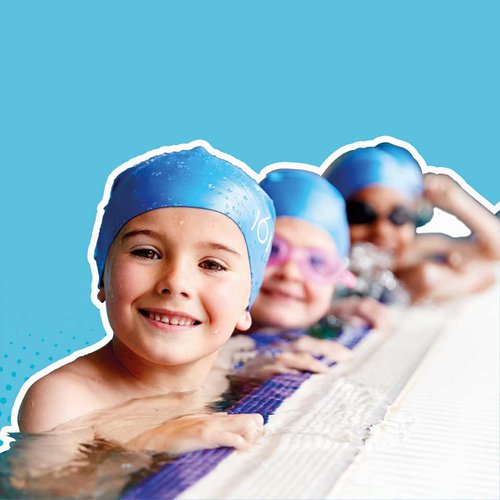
x: 308, y: 259
x: 384, y: 187
x: 309, y: 251
x: 180, y: 256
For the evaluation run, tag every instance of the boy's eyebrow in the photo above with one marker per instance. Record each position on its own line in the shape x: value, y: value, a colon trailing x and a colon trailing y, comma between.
x: 213, y: 245
x: 140, y: 232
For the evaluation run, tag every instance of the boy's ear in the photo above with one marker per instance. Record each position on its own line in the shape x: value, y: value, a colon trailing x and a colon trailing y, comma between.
x: 101, y: 296
x: 245, y: 321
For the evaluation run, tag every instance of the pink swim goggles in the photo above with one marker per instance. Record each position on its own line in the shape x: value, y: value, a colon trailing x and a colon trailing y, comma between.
x: 316, y: 265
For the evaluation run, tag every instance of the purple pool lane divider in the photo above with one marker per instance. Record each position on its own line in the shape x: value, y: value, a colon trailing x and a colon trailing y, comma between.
x: 175, y: 477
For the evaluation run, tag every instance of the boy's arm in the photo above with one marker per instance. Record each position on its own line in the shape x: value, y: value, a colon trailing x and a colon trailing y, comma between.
x: 443, y: 192
x: 53, y: 400
x: 435, y: 281
x: 198, y: 432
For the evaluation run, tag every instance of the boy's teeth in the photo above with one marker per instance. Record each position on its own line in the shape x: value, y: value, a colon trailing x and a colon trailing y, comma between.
x: 171, y: 320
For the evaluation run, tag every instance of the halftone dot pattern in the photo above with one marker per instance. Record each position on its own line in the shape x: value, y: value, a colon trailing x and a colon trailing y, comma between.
x: 29, y: 353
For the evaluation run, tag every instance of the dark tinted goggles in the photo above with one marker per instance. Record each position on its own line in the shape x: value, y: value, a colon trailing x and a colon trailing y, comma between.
x: 359, y: 212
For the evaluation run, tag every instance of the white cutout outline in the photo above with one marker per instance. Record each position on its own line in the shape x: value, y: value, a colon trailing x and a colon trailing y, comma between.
x: 14, y: 427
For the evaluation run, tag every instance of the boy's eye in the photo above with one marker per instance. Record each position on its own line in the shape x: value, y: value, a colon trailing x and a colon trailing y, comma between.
x: 212, y: 265
x: 146, y: 253
x: 320, y: 264
x: 317, y: 262
x: 275, y: 249
x: 278, y: 248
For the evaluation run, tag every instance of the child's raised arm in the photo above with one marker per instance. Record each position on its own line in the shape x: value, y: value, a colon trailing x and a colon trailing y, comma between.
x: 444, y: 193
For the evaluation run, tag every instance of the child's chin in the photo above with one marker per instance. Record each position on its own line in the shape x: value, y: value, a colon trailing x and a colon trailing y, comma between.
x: 173, y: 358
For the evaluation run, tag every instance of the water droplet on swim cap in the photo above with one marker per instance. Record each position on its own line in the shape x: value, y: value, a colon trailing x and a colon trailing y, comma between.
x: 190, y: 178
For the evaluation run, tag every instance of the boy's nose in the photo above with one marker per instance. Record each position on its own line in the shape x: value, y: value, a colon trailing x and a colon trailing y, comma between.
x: 383, y: 227
x: 290, y: 270
x: 383, y: 232
x: 175, y: 281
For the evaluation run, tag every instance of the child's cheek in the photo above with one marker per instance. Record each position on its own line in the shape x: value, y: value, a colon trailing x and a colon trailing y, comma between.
x: 228, y: 305
x: 269, y: 275
x: 359, y: 233
x: 321, y: 297
x: 125, y: 282
x: 408, y: 237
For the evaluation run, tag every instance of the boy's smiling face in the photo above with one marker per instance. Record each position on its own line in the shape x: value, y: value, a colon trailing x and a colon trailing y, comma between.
x: 176, y: 284
x: 287, y: 298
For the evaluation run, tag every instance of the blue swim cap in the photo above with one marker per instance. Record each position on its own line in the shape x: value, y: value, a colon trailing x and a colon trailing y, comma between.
x: 197, y: 179
x: 307, y: 196
x: 385, y: 165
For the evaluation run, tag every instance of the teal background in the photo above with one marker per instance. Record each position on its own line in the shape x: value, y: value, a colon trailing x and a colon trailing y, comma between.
x: 88, y: 85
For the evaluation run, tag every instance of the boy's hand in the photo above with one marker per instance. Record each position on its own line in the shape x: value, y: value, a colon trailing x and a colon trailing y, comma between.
x: 263, y: 366
x: 442, y: 191
x: 362, y: 310
x: 198, y: 432
x: 438, y: 282
x: 331, y: 350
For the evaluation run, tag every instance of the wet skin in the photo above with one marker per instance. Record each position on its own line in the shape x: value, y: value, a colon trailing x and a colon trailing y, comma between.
x: 287, y: 299
x: 176, y: 282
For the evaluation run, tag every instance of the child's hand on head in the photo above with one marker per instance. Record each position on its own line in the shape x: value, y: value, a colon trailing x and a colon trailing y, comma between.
x: 362, y: 310
x: 442, y: 191
x: 265, y: 366
x: 198, y: 432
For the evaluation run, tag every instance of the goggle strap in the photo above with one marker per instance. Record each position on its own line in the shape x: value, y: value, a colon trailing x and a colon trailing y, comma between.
x: 346, y: 279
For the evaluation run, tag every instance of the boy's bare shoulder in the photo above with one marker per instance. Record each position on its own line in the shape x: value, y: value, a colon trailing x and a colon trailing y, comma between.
x: 64, y: 394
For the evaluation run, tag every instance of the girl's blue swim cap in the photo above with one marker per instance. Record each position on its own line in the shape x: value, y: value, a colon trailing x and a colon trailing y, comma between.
x: 385, y: 165
x: 197, y: 179
x: 307, y: 196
